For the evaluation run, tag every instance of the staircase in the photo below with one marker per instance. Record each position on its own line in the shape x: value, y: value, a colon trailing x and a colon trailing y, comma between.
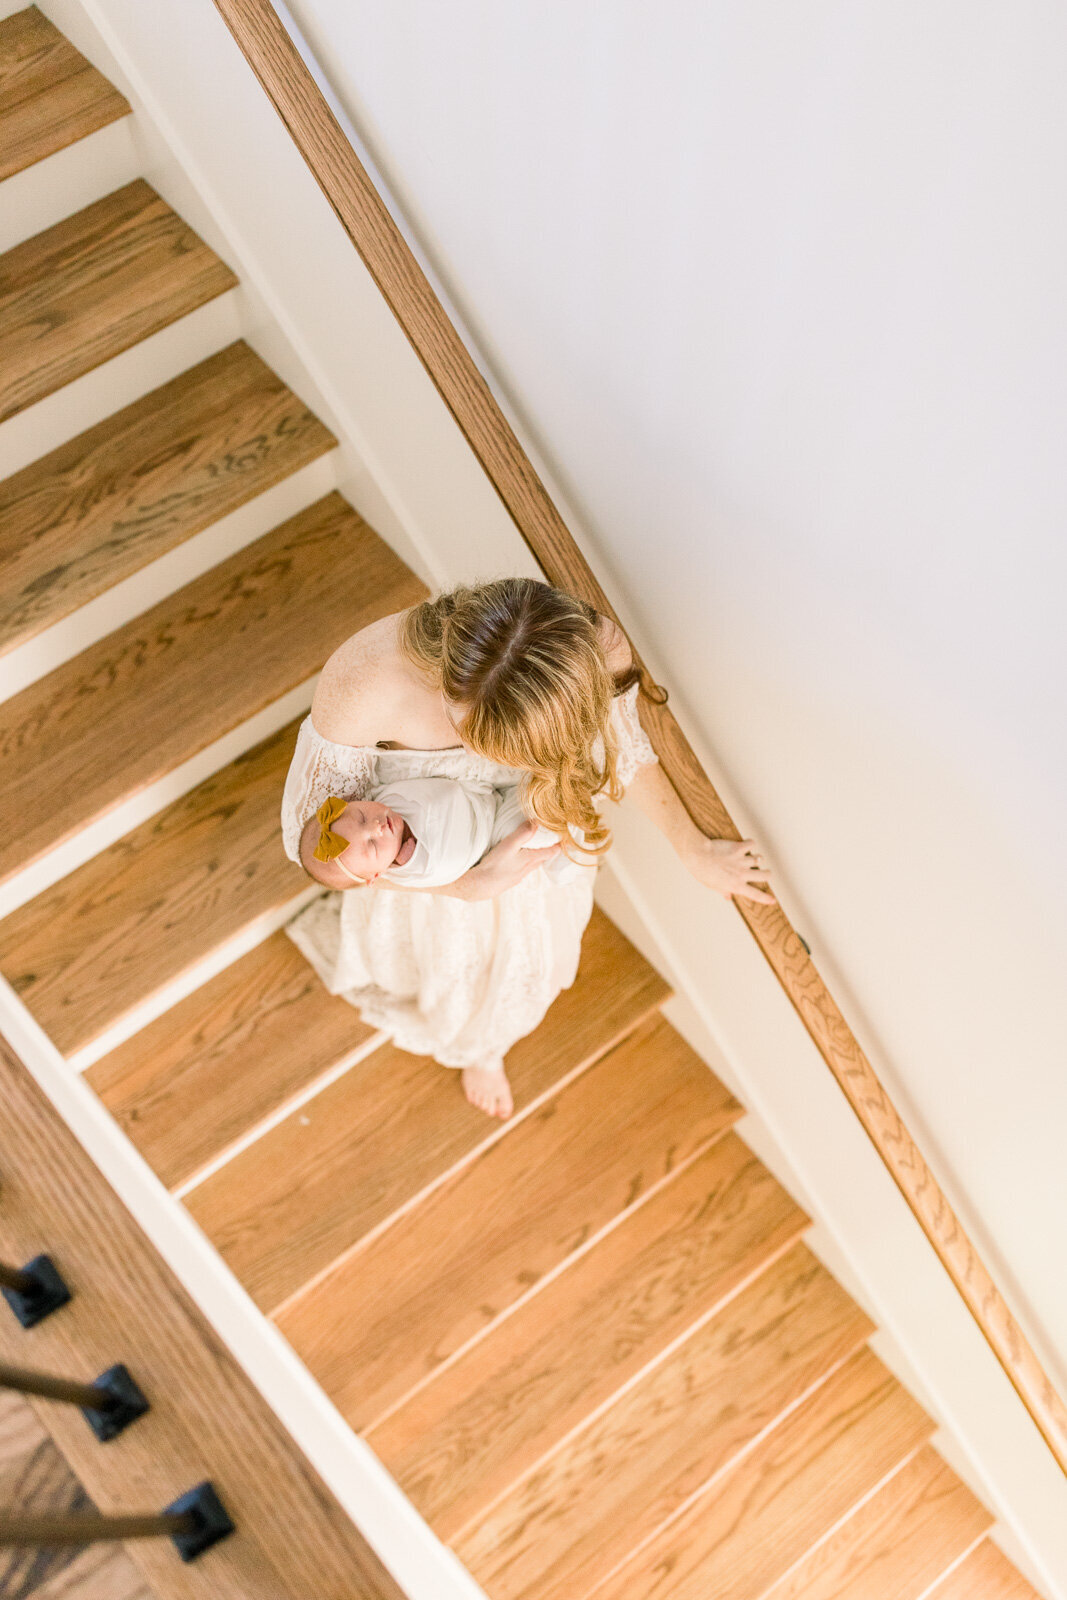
x: 590, y: 1345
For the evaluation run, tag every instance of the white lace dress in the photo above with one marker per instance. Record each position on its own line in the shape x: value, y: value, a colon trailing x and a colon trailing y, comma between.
x: 457, y: 980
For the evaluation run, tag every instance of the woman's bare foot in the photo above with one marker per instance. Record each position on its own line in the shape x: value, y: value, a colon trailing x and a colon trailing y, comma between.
x: 489, y: 1090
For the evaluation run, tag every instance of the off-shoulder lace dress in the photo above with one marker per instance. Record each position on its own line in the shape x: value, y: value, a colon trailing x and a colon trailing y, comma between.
x: 454, y: 979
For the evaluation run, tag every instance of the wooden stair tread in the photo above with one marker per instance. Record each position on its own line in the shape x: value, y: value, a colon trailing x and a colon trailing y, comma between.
x: 50, y: 95
x: 897, y: 1543
x: 481, y: 1423
x: 151, y: 905
x: 228, y: 1055
x: 288, y: 1206
x: 611, y: 1485
x: 417, y: 1293
x: 765, y: 1514
x: 92, y: 286
x: 98, y: 508
x: 986, y: 1574
x: 133, y: 706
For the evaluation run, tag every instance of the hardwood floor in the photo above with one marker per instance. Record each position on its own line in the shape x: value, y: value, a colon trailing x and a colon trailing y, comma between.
x: 35, y: 1480
x: 590, y: 1344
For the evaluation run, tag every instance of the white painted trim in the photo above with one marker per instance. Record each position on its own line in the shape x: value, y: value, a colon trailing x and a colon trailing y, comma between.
x: 421, y: 1564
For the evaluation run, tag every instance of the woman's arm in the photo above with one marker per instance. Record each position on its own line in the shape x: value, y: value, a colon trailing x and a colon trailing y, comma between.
x: 505, y: 865
x: 723, y: 865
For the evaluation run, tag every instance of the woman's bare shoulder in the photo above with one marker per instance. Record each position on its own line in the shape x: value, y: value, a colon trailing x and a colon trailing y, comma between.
x: 361, y: 686
x: 616, y: 647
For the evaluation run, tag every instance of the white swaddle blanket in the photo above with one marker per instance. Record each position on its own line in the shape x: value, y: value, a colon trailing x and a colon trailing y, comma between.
x: 455, y: 821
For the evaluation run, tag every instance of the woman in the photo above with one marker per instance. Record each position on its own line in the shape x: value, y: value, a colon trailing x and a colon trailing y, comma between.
x: 505, y: 681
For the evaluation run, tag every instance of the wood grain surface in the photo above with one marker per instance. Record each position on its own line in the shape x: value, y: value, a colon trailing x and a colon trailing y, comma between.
x: 150, y: 906
x: 487, y: 1419
x: 218, y: 1062
x: 897, y: 1543
x: 133, y: 706
x: 98, y: 508
x: 392, y: 1312
x: 36, y: 1481
x: 735, y: 1541
x: 288, y: 1206
x: 987, y: 1574
x: 567, y: 1525
x: 207, y: 1420
x: 333, y: 162
x: 92, y: 286
x: 49, y: 94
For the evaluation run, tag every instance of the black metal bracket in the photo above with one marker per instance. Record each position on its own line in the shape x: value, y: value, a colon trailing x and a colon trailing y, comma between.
x: 121, y: 1402
x: 47, y: 1295
x: 212, y: 1522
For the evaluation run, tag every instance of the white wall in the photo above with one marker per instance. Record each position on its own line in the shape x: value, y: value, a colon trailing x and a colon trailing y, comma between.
x: 777, y: 287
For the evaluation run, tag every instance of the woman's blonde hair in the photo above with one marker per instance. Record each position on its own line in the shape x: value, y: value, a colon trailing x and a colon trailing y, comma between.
x: 525, y: 665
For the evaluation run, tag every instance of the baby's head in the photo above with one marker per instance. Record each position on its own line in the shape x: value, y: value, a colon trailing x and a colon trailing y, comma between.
x: 347, y: 843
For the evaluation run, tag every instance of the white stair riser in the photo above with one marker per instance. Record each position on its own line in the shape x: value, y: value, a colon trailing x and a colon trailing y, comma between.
x: 68, y: 181
x: 160, y: 578
x: 190, y: 980
x: 118, y: 382
x: 33, y: 880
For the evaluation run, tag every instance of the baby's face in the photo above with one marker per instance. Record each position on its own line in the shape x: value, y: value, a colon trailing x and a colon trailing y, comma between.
x: 374, y: 835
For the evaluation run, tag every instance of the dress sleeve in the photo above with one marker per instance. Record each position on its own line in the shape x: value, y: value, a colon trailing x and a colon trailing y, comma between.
x: 634, y: 748
x: 318, y: 769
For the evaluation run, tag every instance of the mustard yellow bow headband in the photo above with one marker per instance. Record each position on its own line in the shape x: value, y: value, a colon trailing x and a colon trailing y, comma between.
x: 330, y: 844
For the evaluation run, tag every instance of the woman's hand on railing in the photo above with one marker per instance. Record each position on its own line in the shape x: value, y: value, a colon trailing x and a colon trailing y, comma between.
x: 731, y: 869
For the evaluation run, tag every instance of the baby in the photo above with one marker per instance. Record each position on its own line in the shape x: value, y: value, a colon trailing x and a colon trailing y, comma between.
x: 421, y: 833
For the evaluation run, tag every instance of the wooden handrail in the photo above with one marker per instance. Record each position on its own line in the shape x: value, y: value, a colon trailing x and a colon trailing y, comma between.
x: 302, y: 107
